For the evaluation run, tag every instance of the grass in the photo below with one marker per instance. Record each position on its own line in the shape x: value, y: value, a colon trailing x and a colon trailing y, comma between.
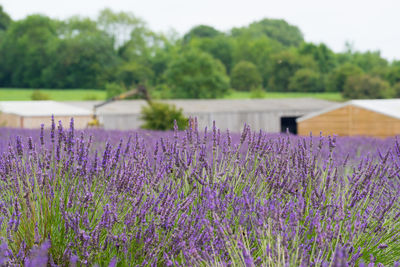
x: 10, y: 94
x: 333, y: 96
x: 13, y: 94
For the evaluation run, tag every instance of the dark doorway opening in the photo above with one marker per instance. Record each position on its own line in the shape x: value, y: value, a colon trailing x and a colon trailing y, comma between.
x: 290, y: 124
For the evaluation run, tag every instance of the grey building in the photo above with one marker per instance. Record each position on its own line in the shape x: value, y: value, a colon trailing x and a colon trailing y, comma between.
x: 31, y: 114
x: 270, y: 115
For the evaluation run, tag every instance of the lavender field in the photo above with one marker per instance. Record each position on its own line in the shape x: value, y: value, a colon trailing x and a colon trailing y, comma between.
x: 197, y: 198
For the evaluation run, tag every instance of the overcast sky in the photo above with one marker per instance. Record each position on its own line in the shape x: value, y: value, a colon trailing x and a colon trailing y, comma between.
x: 368, y: 24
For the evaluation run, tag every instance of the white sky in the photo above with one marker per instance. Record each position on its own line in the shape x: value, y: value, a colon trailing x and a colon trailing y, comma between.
x: 368, y: 24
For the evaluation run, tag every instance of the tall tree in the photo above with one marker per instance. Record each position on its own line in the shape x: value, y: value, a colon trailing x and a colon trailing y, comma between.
x: 258, y: 51
x: 5, y: 19
x: 200, y: 31
x: 393, y: 74
x: 276, y: 29
x: 195, y: 74
x: 84, y: 57
x: 26, y: 50
x: 323, y: 56
x: 245, y: 76
x: 120, y: 25
x: 306, y: 80
x: 368, y: 61
x: 220, y: 47
x: 284, y: 66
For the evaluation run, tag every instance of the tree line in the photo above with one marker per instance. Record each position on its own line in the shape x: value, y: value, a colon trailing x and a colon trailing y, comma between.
x: 117, y: 50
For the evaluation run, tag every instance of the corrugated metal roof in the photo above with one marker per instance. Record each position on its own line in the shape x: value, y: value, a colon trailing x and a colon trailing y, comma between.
x: 42, y: 108
x: 388, y: 107
x: 214, y: 105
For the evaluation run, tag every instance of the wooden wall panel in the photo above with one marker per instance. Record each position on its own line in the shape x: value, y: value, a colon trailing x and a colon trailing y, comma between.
x: 332, y: 122
x: 80, y: 122
x: 369, y: 123
x: 351, y: 121
x: 10, y: 120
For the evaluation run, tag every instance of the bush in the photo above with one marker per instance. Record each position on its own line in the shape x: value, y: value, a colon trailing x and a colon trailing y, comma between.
x: 337, y: 78
x: 90, y: 97
x: 245, y: 76
x: 257, y: 93
x: 396, y: 90
x: 366, y: 87
x: 161, y: 116
x: 38, y: 95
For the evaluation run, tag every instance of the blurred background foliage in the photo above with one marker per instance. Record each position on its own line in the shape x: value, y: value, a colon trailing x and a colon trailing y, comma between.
x: 117, y: 50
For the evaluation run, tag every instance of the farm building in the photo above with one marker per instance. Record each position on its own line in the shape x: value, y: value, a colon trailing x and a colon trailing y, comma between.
x: 31, y: 114
x: 271, y: 115
x: 379, y: 118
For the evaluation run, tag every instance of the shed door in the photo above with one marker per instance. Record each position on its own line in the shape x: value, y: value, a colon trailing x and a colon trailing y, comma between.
x: 290, y: 124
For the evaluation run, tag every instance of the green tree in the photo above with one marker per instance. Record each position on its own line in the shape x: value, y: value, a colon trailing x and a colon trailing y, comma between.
x: 393, y: 74
x: 276, y: 29
x: 338, y: 77
x: 132, y: 73
x: 306, y: 80
x: 195, y: 74
x: 284, y: 66
x: 84, y: 57
x: 258, y: 51
x: 120, y: 25
x: 5, y: 20
x: 200, y: 31
x: 220, y: 47
x: 162, y: 57
x: 140, y: 52
x: 369, y: 61
x: 364, y: 86
x: 322, y: 55
x: 141, y: 46
x: 26, y: 50
x: 245, y: 76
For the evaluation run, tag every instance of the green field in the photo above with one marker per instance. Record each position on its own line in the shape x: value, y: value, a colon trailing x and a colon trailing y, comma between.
x: 246, y: 95
x: 9, y: 94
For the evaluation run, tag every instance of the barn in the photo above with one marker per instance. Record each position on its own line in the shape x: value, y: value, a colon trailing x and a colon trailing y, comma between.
x: 378, y: 118
x: 270, y: 115
x: 31, y: 114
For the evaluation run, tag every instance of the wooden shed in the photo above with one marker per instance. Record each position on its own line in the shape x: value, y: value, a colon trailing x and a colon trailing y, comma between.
x: 378, y: 118
x: 31, y: 114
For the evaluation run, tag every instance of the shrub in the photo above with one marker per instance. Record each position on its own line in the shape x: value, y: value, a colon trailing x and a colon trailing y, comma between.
x: 396, y: 90
x: 161, y: 116
x: 337, y: 78
x: 90, y: 97
x: 366, y: 87
x: 38, y: 95
x: 257, y: 93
